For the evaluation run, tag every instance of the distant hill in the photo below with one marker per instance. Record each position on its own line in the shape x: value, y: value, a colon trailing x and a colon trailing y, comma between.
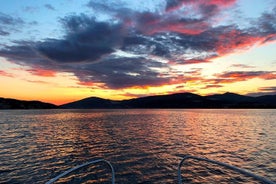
x: 230, y: 97
x: 180, y: 100
x: 7, y: 103
x: 91, y: 103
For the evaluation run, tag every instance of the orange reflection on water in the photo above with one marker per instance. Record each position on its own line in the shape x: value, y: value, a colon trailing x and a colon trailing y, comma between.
x: 147, y: 144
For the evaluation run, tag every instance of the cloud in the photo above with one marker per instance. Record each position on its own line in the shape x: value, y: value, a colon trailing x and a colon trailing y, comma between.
x: 49, y: 7
x: 177, y: 4
x: 30, y: 9
x: 149, y: 43
x: 112, y: 72
x: 9, y: 20
x: 242, y: 66
x: 244, y: 75
x: 212, y: 86
x: 3, y: 33
x: 119, y: 73
x: 196, y: 61
x: 42, y: 72
x: 172, y: 46
x: 37, y: 81
x: 5, y: 74
x: 168, y: 33
x: 9, y: 24
x: 152, y: 21
x: 23, y: 53
x: 238, y: 76
x: 85, y: 40
x: 271, y: 90
x: 267, y: 23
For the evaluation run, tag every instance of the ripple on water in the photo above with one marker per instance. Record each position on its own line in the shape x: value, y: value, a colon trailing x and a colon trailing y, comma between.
x: 144, y: 146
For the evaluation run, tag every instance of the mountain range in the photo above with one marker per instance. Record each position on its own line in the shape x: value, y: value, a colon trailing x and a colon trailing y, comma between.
x: 8, y: 103
x: 179, y: 100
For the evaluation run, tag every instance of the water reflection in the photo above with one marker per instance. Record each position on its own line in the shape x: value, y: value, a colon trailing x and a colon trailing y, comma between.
x: 144, y: 146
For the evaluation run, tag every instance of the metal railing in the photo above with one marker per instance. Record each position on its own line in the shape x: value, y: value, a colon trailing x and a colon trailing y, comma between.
x: 84, y: 165
x: 234, y: 168
x: 239, y: 170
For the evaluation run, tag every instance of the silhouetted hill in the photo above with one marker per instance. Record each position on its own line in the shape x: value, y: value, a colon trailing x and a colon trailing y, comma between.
x: 232, y: 100
x: 180, y: 100
x: 91, y: 103
x: 230, y: 97
x: 7, y: 103
x: 269, y: 100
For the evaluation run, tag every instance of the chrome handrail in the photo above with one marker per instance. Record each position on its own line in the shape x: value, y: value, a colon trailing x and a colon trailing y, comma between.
x: 242, y: 171
x: 83, y: 165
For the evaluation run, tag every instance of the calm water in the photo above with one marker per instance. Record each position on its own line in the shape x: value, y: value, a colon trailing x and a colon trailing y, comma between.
x: 144, y: 146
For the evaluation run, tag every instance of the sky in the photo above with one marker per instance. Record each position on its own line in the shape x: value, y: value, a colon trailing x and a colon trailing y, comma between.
x: 66, y: 50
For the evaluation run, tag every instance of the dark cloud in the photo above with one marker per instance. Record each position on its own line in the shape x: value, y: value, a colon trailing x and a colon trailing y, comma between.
x: 9, y: 24
x: 113, y: 71
x: 242, y: 66
x: 173, y: 4
x: 70, y: 51
x: 214, y: 41
x: 9, y: 20
x: 141, y: 44
x: 169, y: 35
x: 49, y: 7
x: 172, y: 46
x: 4, y: 33
x: 212, y: 86
x: 266, y: 24
x: 150, y: 22
x: 85, y: 40
x: 123, y: 72
x: 88, y: 47
x: 24, y: 53
x: 21, y: 52
x: 270, y: 89
x: 103, y: 6
x: 30, y: 9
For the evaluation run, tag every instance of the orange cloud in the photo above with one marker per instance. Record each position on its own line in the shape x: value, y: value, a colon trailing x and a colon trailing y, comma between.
x: 42, y: 72
x: 180, y: 27
x: 212, y: 86
x: 196, y: 61
x: 5, y: 74
x: 237, y: 76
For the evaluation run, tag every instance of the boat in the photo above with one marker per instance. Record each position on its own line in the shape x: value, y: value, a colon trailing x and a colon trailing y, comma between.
x: 222, y: 164
x: 81, y: 166
x: 179, y: 175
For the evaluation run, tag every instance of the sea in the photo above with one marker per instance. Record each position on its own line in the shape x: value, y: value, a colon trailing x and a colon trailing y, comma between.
x: 143, y: 145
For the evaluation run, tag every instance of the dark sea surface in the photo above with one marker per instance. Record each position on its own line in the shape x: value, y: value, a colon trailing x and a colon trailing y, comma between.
x: 144, y: 146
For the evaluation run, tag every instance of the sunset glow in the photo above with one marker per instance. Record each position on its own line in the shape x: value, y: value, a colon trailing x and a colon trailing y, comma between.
x: 62, y: 51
